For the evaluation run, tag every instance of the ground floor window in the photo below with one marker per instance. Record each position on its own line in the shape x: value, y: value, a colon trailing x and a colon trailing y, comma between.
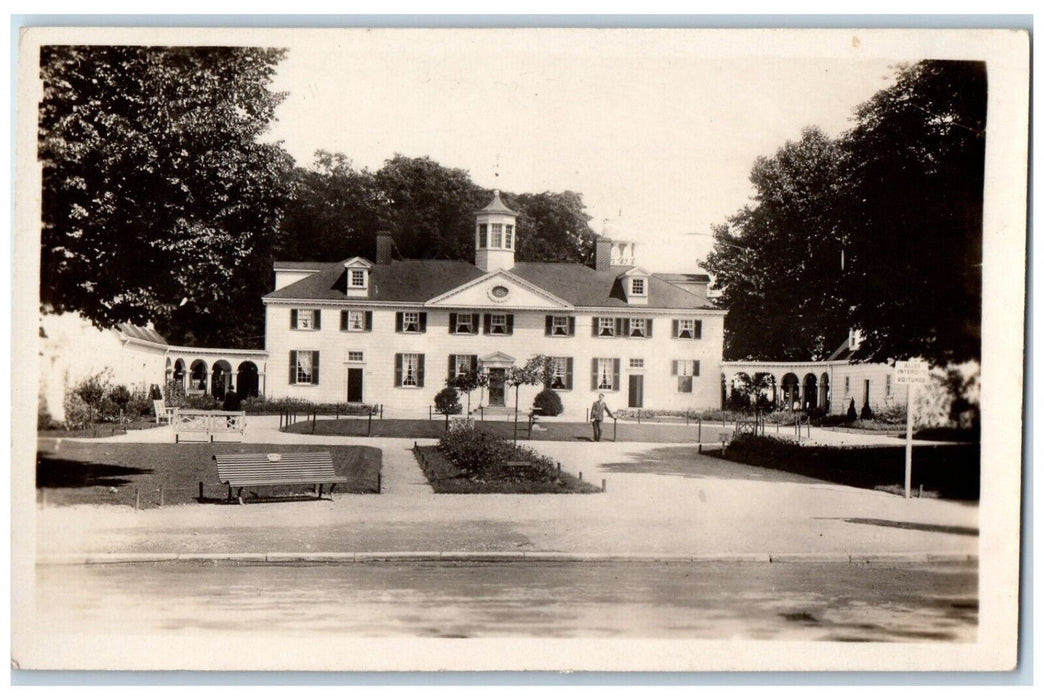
x: 685, y: 371
x: 561, y: 373
x: 304, y: 366
x: 605, y: 374
x: 355, y: 356
x: 409, y: 369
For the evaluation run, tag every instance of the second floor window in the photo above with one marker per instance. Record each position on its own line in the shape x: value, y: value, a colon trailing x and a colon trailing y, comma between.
x: 499, y: 324
x: 606, y: 327
x: 559, y: 325
x: 688, y: 328
x: 356, y: 321
x: 639, y: 327
x: 463, y: 323
x: 411, y: 321
x: 305, y: 319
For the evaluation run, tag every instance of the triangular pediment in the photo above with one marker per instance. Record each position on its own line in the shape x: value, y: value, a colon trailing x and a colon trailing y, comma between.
x: 497, y: 359
x: 635, y: 272
x: 499, y: 290
x: 358, y: 262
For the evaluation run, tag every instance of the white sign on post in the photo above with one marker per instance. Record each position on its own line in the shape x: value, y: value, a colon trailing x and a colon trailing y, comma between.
x: 911, y: 373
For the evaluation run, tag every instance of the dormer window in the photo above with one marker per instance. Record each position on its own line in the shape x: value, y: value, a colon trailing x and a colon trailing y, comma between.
x: 357, y: 279
x: 638, y: 287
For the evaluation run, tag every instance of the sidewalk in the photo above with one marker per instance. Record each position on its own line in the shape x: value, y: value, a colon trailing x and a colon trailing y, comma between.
x: 660, y: 500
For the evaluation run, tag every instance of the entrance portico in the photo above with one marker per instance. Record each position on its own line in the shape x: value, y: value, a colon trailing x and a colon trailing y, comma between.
x: 496, y: 366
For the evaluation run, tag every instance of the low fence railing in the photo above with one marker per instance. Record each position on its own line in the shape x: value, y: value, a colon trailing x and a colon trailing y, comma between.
x: 208, y: 423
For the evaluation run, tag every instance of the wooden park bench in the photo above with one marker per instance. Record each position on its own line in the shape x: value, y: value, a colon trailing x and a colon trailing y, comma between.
x: 164, y: 414
x: 240, y: 471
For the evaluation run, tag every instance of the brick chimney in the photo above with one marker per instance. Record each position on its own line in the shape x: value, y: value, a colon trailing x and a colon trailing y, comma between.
x: 603, y: 253
x: 384, y: 247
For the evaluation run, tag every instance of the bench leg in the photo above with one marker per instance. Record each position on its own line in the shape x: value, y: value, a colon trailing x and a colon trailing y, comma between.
x: 332, y: 487
x: 239, y: 495
x: 320, y: 496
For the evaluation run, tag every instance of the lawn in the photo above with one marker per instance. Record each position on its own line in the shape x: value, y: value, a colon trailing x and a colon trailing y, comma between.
x: 101, y: 429
x: 947, y: 471
x: 74, y: 472
x: 550, y: 430
x: 444, y: 477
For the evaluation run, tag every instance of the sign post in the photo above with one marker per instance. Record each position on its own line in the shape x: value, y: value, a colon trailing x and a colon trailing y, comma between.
x: 911, y: 373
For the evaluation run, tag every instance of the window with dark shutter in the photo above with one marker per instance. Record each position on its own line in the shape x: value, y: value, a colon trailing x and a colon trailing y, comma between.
x: 315, y: 367
x: 398, y: 322
x: 293, y: 318
x: 452, y: 322
x: 318, y: 319
x: 424, y: 321
x: 420, y: 370
x: 293, y: 367
x: 398, y: 369
x: 548, y: 320
x: 369, y: 320
x: 344, y: 320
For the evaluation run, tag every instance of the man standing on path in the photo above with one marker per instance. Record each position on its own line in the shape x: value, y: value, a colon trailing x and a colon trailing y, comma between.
x: 598, y: 412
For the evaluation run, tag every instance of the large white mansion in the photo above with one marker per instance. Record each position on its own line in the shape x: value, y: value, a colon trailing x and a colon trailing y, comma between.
x: 392, y: 331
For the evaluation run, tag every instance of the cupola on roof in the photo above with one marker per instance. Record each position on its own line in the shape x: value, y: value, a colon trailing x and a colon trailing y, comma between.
x: 496, y: 206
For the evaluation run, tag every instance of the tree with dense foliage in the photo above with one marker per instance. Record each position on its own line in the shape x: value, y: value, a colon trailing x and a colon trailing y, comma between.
x: 429, y: 209
x: 880, y: 230
x: 777, y: 261
x: 159, y: 201
x: 553, y: 227
x: 914, y: 213
x: 334, y: 212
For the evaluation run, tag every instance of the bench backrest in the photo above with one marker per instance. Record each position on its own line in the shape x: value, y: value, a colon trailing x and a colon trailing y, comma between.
x: 307, y: 466
x: 159, y: 408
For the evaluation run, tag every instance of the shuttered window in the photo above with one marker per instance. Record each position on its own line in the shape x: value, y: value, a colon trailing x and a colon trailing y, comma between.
x: 409, y: 369
x: 305, y: 319
x: 605, y: 374
x: 304, y: 367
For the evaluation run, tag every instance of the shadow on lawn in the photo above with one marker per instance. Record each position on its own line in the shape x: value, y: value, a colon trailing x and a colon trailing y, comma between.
x: 52, y: 472
x: 687, y: 462
x: 904, y: 525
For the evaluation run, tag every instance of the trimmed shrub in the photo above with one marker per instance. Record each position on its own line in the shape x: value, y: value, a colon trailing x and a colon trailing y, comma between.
x: 260, y: 404
x: 851, y: 414
x: 549, y: 402
x: 447, y: 401
x: 140, y: 403
x: 866, y: 413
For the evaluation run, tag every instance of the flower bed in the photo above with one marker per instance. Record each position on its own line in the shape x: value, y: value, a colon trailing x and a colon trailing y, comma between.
x: 470, y: 461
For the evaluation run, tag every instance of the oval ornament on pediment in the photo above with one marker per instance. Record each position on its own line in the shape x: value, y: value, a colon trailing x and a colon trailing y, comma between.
x: 498, y: 293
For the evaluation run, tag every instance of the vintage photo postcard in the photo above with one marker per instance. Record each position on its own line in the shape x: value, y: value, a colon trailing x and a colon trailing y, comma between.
x: 519, y: 349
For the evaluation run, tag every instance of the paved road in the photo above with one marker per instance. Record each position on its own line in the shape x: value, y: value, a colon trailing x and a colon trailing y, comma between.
x: 808, y: 601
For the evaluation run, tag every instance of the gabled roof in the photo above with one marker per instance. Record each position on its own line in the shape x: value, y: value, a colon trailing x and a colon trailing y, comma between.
x: 417, y: 281
x: 635, y: 272
x: 358, y: 262
x: 147, y: 335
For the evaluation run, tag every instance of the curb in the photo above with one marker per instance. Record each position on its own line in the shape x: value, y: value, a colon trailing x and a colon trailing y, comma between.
x: 505, y: 556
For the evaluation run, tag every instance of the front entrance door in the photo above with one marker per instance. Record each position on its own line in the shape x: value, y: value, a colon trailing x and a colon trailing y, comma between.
x: 355, y: 385
x: 635, y: 390
x: 496, y: 387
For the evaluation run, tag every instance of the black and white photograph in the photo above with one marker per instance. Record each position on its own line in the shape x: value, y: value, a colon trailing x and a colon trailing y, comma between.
x: 518, y: 349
